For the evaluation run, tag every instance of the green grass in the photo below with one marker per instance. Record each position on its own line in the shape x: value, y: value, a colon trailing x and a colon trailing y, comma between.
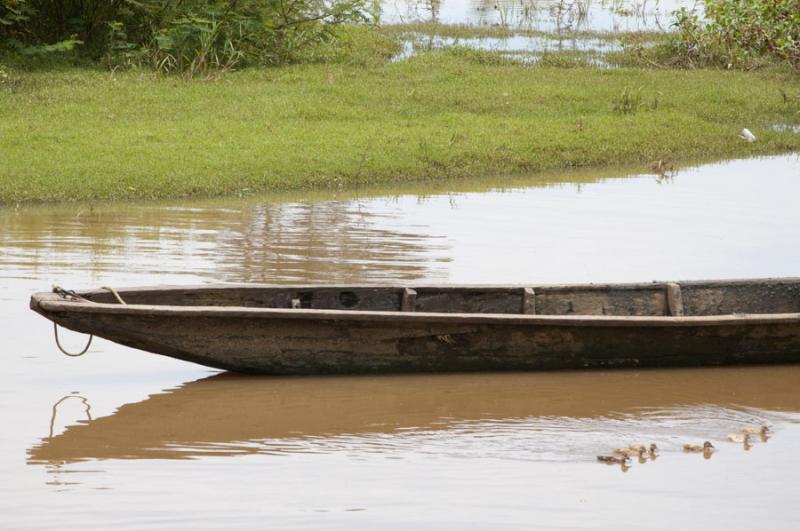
x: 84, y: 134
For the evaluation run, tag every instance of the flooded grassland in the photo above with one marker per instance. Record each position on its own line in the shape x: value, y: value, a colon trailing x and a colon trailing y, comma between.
x: 554, y: 16
x: 125, y: 439
x: 528, y: 30
x: 417, y: 99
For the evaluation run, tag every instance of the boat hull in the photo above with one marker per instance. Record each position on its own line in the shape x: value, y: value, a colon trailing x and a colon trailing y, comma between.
x: 329, y: 342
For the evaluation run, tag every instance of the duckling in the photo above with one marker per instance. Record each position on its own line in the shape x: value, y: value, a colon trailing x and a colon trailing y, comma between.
x: 694, y: 448
x: 613, y: 460
x: 628, y: 452
x: 638, y: 447
x: 763, y: 430
x: 653, y: 450
x: 739, y: 437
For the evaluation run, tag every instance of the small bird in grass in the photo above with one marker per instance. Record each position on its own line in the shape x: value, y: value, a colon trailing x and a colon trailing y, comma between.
x: 663, y: 169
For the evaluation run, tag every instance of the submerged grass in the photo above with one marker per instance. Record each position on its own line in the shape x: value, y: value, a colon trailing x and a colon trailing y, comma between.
x: 83, y: 134
x: 473, y: 31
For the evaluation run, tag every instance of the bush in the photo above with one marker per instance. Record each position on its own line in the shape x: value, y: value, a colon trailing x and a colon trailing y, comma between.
x: 738, y: 34
x: 188, y: 36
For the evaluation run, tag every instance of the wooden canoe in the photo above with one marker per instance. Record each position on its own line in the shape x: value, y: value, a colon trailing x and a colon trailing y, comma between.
x: 267, y: 329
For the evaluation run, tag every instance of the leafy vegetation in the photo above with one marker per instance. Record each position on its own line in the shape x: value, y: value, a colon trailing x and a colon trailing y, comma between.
x: 737, y: 34
x: 85, y: 133
x: 188, y: 36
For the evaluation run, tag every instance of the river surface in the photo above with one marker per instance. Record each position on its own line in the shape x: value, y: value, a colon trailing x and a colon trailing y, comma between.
x: 128, y: 440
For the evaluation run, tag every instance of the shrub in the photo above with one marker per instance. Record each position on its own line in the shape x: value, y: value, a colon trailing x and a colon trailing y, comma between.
x: 188, y: 36
x: 738, y: 34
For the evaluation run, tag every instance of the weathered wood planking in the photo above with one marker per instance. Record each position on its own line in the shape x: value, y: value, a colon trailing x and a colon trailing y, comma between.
x: 358, y: 329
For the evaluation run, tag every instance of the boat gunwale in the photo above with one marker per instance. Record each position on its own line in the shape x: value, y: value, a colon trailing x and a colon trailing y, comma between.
x: 47, y: 302
x: 556, y: 287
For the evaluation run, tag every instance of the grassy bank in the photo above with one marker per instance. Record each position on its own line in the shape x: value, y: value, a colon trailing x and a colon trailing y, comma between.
x: 83, y: 134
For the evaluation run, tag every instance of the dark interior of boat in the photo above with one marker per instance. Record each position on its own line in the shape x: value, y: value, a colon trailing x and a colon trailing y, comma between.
x: 696, y: 298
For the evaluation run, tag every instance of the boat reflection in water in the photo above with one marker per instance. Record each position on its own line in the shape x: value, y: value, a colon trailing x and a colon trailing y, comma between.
x: 534, y: 416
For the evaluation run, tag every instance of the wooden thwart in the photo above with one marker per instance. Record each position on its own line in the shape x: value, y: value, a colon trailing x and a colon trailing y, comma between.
x: 674, y: 300
x: 528, y: 301
x: 409, y: 300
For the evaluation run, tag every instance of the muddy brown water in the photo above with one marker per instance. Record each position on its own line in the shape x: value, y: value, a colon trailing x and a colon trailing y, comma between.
x: 124, y: 439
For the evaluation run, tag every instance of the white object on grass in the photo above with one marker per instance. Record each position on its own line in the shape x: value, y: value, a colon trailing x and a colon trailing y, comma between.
x: 747, y: 135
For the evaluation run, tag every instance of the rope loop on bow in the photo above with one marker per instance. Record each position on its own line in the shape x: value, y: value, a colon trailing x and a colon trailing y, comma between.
x: 70, y: 295
x: 70, y: 354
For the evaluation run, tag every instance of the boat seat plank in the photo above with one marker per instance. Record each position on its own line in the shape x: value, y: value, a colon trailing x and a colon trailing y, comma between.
x: 674, y: 299
x: 409, y: 301
x: 528, y: 301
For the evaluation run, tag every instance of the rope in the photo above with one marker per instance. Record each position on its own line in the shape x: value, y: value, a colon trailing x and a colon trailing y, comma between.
x: 71, y: 295
x: 68, y: 294
x: 114, y: 292
x: 71, y: 355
